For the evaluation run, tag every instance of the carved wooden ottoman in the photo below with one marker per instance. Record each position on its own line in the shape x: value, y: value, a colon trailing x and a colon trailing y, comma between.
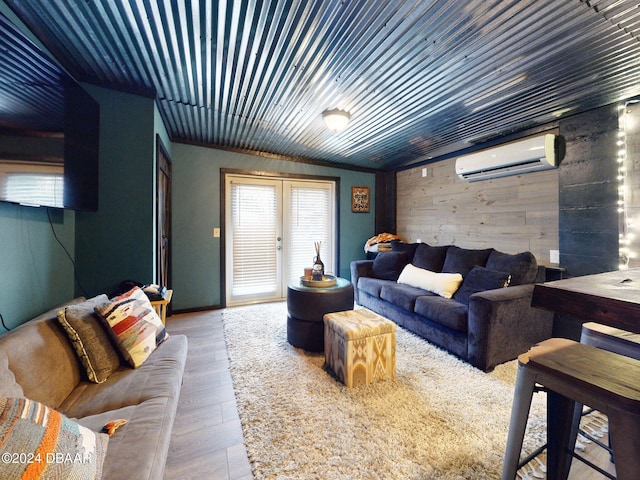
x: 360, y: 346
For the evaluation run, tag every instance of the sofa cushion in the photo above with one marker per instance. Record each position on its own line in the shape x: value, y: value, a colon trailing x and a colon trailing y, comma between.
x: 480, y: 279
x: 90, y: 339
x: 139, y: 449
x: 462, y: 260
x: 134, y: 324
x: 443, y: 284
x: 447, y: 312
x: 403, y: 296
x: 56, y: 446
x: 388, y: 265
x: 372, y: 286
x: 523, y: 267
x: 159, y: 376
x: 430, y: 258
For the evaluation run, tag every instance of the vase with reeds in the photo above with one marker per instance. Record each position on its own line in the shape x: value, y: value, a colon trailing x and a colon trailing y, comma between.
x: 318, y: 266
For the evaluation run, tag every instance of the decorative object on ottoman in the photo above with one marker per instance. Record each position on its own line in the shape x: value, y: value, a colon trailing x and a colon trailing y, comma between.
x: 360, y: 346
x: 318, y: 266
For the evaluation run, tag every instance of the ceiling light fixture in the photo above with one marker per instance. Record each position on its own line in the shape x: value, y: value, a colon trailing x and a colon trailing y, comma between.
x: 336, y: 119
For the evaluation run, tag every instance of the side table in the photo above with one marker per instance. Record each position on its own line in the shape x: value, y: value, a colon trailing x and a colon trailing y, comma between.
x: 306, y: 307
x: 161, y: 306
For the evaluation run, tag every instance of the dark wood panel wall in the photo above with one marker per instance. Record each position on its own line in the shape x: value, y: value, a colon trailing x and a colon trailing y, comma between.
x: 588, y: 208
x: 385, y: 202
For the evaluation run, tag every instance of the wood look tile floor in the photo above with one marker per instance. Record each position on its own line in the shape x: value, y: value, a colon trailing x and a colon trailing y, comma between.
x: 207, y: 440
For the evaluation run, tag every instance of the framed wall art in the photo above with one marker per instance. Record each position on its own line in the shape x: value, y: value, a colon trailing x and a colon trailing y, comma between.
x: 360, y: 199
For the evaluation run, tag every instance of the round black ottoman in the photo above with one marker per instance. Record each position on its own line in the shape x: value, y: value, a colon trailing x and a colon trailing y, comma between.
x: 307, y: 305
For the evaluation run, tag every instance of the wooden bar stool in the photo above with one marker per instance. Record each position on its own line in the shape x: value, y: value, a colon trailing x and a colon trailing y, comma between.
x: 613, y: 340
x: 572, y: 372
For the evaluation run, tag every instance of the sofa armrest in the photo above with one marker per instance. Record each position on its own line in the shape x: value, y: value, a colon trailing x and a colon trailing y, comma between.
x: 360, y: 268
x: 502, y: 324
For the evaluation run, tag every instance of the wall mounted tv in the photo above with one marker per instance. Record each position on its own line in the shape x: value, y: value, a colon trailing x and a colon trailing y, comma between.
x: 49, y: 130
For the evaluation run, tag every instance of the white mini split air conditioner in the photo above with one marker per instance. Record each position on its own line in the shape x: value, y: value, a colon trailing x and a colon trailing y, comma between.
x: 531, y: 155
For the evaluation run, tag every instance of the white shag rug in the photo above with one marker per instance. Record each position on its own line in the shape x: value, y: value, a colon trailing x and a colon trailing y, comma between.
x: 439, y: 419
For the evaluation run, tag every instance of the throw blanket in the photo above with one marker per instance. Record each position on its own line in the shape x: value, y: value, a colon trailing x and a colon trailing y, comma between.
x: 373, y: 242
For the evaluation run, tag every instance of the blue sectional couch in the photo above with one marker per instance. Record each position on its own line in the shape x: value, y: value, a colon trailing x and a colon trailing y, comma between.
x: 487, y: 321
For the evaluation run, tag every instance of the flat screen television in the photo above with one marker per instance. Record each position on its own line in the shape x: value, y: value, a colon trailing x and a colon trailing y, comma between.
x: 49, y: 130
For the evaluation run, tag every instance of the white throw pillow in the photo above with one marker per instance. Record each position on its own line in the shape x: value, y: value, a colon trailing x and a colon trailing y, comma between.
x: 443, y: 284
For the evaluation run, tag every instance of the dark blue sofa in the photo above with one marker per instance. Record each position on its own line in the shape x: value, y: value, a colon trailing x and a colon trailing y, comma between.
x: 483, y: 323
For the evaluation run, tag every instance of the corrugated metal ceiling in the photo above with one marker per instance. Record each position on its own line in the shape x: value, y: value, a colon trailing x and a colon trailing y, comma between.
x: 31, y: 85
x: 420, y: 78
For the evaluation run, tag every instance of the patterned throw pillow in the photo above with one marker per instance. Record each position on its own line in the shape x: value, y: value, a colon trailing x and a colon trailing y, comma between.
x: 135, y: 325
x: 37, y: 442
x: 90, y: 339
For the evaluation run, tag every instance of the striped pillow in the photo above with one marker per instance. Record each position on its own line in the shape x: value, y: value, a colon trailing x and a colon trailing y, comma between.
x: 134, y: 324
x: 90, y: 339
x: 37, y: 442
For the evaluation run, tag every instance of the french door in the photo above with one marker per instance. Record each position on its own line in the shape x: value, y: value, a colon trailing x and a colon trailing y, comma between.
x: 270, y: 231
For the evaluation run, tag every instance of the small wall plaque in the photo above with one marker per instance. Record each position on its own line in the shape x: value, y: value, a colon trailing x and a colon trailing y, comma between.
x: 360, y: 199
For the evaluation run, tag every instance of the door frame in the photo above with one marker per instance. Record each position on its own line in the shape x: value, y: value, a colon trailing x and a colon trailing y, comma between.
x: 162, y: 157
x: 262, y: 173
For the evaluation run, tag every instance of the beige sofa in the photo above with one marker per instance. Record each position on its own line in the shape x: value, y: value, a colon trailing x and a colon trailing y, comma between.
x: 38, y: 361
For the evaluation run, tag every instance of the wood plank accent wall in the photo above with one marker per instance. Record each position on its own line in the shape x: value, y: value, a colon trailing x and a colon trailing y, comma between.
x: 511, y: 214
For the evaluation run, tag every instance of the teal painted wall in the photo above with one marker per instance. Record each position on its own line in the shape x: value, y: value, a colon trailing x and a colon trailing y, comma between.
x: 196, y: 211
x: 116, y: 242
x: 35, y: 272
x: 159, y: 128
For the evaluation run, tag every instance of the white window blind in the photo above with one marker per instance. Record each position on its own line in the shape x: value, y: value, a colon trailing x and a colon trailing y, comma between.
x: 254, y: 220
x: 34, y: 188
x: 310, y: 220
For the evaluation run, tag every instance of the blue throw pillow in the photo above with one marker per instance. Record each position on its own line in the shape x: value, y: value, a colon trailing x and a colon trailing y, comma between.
x: 462, y: 260
x: 408, y: 248
x: 389, y: 265
x: 480, y: 279
x: 523, y: 267
x: 430, y: 258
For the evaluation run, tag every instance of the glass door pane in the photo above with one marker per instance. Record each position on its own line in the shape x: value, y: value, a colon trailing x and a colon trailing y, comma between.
x: 309, y: 218
x: 254, y: 240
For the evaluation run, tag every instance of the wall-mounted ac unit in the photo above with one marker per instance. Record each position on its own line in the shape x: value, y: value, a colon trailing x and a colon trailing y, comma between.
x: 531, y: 155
